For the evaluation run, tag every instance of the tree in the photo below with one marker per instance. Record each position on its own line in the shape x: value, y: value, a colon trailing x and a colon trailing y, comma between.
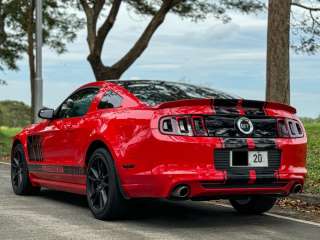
x: 17, y: 32
x: 278, y: 57
x: 2, y: 82
x: 306, y: 26
x: 304, y: 22
x: 107, y: 11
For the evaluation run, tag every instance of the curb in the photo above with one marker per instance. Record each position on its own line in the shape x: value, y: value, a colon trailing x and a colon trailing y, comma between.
x: 311, y: 199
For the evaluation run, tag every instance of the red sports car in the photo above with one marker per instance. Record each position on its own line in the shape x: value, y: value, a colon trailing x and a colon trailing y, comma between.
x: 120, y: 140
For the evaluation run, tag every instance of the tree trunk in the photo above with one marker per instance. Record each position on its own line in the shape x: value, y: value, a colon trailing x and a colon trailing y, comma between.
x: 278, y: 53
x: 102, y: 72
x: 31, y: 57
x: 32, y: 75
x: 115, y: 71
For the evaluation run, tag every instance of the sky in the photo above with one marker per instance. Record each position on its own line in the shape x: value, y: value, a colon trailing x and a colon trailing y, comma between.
x: 229, y: 57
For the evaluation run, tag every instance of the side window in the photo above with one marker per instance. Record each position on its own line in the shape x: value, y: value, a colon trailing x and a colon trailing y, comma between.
x: 110, y: 100
x: 77, y: 104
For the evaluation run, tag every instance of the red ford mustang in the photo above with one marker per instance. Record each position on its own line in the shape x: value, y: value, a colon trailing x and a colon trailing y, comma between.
x: 120, y: 140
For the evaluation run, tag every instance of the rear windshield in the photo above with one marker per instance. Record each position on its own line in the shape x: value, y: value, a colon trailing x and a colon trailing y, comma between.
x: 156, y: 92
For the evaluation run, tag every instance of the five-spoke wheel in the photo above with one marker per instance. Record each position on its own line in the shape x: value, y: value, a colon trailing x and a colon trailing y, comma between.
x: 98, y: 183
x: 103, y: 192
x: 17, y: 169
x: 21, y: 184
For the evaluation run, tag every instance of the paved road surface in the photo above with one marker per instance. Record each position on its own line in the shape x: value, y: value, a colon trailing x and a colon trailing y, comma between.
x: 55, y: 215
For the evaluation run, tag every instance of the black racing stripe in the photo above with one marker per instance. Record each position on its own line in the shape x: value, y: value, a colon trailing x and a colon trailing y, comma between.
x: 238, y: 176
x: 265, y: 176
x: 226, y: 106
x: 235, y: 143
x: 265, y: 143
x: 213, y: 185
x: 56, y: 169
x: 253, y: 108
x: 242, y: 175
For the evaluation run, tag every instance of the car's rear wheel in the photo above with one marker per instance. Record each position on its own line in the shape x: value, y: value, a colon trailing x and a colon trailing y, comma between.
x: 20, y: 180
x: 103, y: 192
x: 253, y: 204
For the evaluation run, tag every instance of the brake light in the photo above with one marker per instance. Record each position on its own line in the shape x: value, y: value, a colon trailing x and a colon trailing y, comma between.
x: 289, y: 128
x: 199, y: 127
x: 183, y: 126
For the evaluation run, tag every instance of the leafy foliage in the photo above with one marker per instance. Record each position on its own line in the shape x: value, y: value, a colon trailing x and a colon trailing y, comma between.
x: 6, y: 135
x: 306, y: 26
x: 2, y: 82
x: 107, y: 11
x: 60, y: 27
x: 199, y: 9
x: 14, y: 114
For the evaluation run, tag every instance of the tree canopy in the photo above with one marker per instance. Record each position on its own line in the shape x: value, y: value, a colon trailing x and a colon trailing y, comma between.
x: 305, y: 23
x: 107, y: 11
x: 17, y: 19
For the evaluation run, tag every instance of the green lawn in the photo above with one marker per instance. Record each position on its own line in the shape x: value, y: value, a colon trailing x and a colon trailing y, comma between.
x: 313, y: 132
x: 312, y: 128
x: 6, y: 135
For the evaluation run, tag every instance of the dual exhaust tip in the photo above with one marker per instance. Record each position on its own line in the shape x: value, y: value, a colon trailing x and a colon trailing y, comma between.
x: 181, y: 192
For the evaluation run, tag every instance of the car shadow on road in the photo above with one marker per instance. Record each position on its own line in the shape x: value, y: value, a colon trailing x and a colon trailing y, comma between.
x: 162, y: 213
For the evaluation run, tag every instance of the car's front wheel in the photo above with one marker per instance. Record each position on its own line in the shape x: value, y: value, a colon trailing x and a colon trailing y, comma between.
x: 103, y: 192
x: 253, y: 204
x: 20, y: 180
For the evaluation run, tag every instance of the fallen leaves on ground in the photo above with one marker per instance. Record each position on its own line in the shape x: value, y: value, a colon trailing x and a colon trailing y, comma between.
x: 299, y: 206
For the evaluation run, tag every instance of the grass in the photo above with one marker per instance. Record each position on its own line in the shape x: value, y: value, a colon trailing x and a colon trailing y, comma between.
x: 313, y: 181
x: 6, y: 135
x: 312, y: 128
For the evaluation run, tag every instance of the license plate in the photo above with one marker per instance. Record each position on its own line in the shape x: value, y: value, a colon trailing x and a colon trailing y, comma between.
x: 249, y: 159
x: 258, y: 159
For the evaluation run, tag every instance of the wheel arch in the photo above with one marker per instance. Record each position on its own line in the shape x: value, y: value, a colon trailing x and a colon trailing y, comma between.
x: 96, y: 144
x: 15, y: 143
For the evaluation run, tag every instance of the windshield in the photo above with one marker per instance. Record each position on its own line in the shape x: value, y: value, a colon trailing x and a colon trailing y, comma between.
x: 156, y: 92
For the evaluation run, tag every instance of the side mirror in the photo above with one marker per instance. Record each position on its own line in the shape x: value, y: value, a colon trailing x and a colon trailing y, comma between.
x: 46, y: 113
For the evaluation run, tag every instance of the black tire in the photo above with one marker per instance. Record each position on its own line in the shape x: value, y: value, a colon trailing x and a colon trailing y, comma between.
x: 20, y: 180
x: 103, y: 191
x: 253, y: 204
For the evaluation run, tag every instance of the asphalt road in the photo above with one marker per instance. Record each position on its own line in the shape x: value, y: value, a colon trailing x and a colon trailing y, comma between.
x: 56, y: 215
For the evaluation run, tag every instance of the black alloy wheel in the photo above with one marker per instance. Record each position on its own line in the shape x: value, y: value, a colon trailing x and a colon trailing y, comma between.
x: 253, y: 204
x: 105, y: 199
x: 98, y: 183
x: 20, y: 180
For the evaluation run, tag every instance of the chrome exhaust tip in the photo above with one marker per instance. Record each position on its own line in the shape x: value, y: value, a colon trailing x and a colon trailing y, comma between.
x: 181, y: 192
x: 297, y: 188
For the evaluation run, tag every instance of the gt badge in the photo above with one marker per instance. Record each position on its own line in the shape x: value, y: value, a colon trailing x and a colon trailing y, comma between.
x: 245, y: 125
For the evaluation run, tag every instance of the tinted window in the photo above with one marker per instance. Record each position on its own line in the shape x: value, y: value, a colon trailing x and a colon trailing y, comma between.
x: 156, y: 92
x: 77, y: 104
x: 110, y: 100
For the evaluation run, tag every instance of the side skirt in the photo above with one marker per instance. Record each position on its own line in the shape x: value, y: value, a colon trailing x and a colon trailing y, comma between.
x: 61, y: 186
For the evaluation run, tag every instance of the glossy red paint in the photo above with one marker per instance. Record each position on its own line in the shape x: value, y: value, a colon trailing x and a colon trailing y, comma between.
x: 149, y: 163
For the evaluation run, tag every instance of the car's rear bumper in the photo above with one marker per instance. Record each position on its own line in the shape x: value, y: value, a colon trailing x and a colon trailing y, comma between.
x: 174, y: 161
x: 215, y: 185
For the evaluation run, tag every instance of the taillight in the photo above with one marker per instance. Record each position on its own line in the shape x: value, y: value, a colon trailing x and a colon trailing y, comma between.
x: 199, y: 127
x: 289, y: 128
x: 183, y: 126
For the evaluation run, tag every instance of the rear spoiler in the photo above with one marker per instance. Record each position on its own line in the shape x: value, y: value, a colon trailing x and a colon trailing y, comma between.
x: 248, y: 104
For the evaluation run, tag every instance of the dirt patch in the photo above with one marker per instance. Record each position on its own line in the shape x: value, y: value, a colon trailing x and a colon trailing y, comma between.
x: 298, y: 208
